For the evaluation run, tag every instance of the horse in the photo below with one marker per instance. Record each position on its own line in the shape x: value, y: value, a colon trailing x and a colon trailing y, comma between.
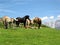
x: 34, y: 21
x: 22, y: 20
x: 7, y: 21
x: 38, y: 21
x: 28, y: 23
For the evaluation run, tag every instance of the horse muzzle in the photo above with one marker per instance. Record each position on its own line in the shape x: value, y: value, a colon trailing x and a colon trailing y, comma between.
x: 16, y: 19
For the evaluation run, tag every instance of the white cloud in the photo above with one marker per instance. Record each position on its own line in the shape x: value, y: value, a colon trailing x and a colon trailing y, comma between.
x: 51, y: 17
x: 58, y: 16
x: 45, y: 18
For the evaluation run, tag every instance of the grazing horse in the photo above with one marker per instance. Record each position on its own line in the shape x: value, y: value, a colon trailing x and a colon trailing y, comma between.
x: 36, y: 20
x: 7, y: 21
x: 22, y: 20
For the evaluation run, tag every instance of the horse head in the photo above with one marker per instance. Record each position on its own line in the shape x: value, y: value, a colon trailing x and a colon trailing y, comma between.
x: 26, y: 17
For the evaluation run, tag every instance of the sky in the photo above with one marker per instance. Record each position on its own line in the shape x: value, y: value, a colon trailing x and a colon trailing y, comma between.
x: 34, y: 8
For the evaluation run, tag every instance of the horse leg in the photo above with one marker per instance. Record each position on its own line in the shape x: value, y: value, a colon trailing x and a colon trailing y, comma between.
x: 6, y: 25
x: 39, y: 24
x: 24, y: 24
x: 9, y: 24
x: 17, y: 23
x: 12, y: 24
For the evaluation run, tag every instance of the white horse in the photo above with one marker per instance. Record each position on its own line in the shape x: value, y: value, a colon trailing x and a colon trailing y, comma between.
x: 7, y: 21
x: 29, y: 23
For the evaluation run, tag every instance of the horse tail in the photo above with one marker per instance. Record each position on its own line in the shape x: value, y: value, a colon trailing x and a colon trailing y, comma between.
x: 6, y: 23
x: 40, y: 22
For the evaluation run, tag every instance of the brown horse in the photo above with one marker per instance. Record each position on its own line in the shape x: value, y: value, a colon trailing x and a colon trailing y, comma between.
x: 36, y: 20
x: 7, y: 21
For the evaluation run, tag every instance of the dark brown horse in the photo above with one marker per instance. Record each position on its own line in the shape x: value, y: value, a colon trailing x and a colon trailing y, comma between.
x: 22, y: 20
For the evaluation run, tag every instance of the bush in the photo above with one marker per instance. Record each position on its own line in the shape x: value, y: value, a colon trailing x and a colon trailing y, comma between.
x: 43, y: 25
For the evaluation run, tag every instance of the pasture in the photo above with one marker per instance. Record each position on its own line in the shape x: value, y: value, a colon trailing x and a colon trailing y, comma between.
x: 22, y: 36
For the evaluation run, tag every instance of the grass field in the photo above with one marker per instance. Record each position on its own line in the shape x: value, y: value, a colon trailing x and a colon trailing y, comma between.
x: 22, y: 36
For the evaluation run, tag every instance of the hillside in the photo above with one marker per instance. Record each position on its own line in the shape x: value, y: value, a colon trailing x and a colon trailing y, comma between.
x: 22, y: 36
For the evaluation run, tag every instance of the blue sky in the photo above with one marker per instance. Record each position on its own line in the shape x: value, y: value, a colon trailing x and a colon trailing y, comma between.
x: 39, y: 8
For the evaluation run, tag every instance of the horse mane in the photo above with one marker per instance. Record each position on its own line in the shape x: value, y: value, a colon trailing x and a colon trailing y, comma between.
x: 26, y: 16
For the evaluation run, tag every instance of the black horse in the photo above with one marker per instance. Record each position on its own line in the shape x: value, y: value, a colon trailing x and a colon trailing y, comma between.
x: 22, y: 20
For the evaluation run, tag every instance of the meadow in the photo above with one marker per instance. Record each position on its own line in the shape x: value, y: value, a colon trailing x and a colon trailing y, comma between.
x: 22, y: 36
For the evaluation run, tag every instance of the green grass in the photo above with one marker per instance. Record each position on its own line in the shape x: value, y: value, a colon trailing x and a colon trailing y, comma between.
x: 22, y: 36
